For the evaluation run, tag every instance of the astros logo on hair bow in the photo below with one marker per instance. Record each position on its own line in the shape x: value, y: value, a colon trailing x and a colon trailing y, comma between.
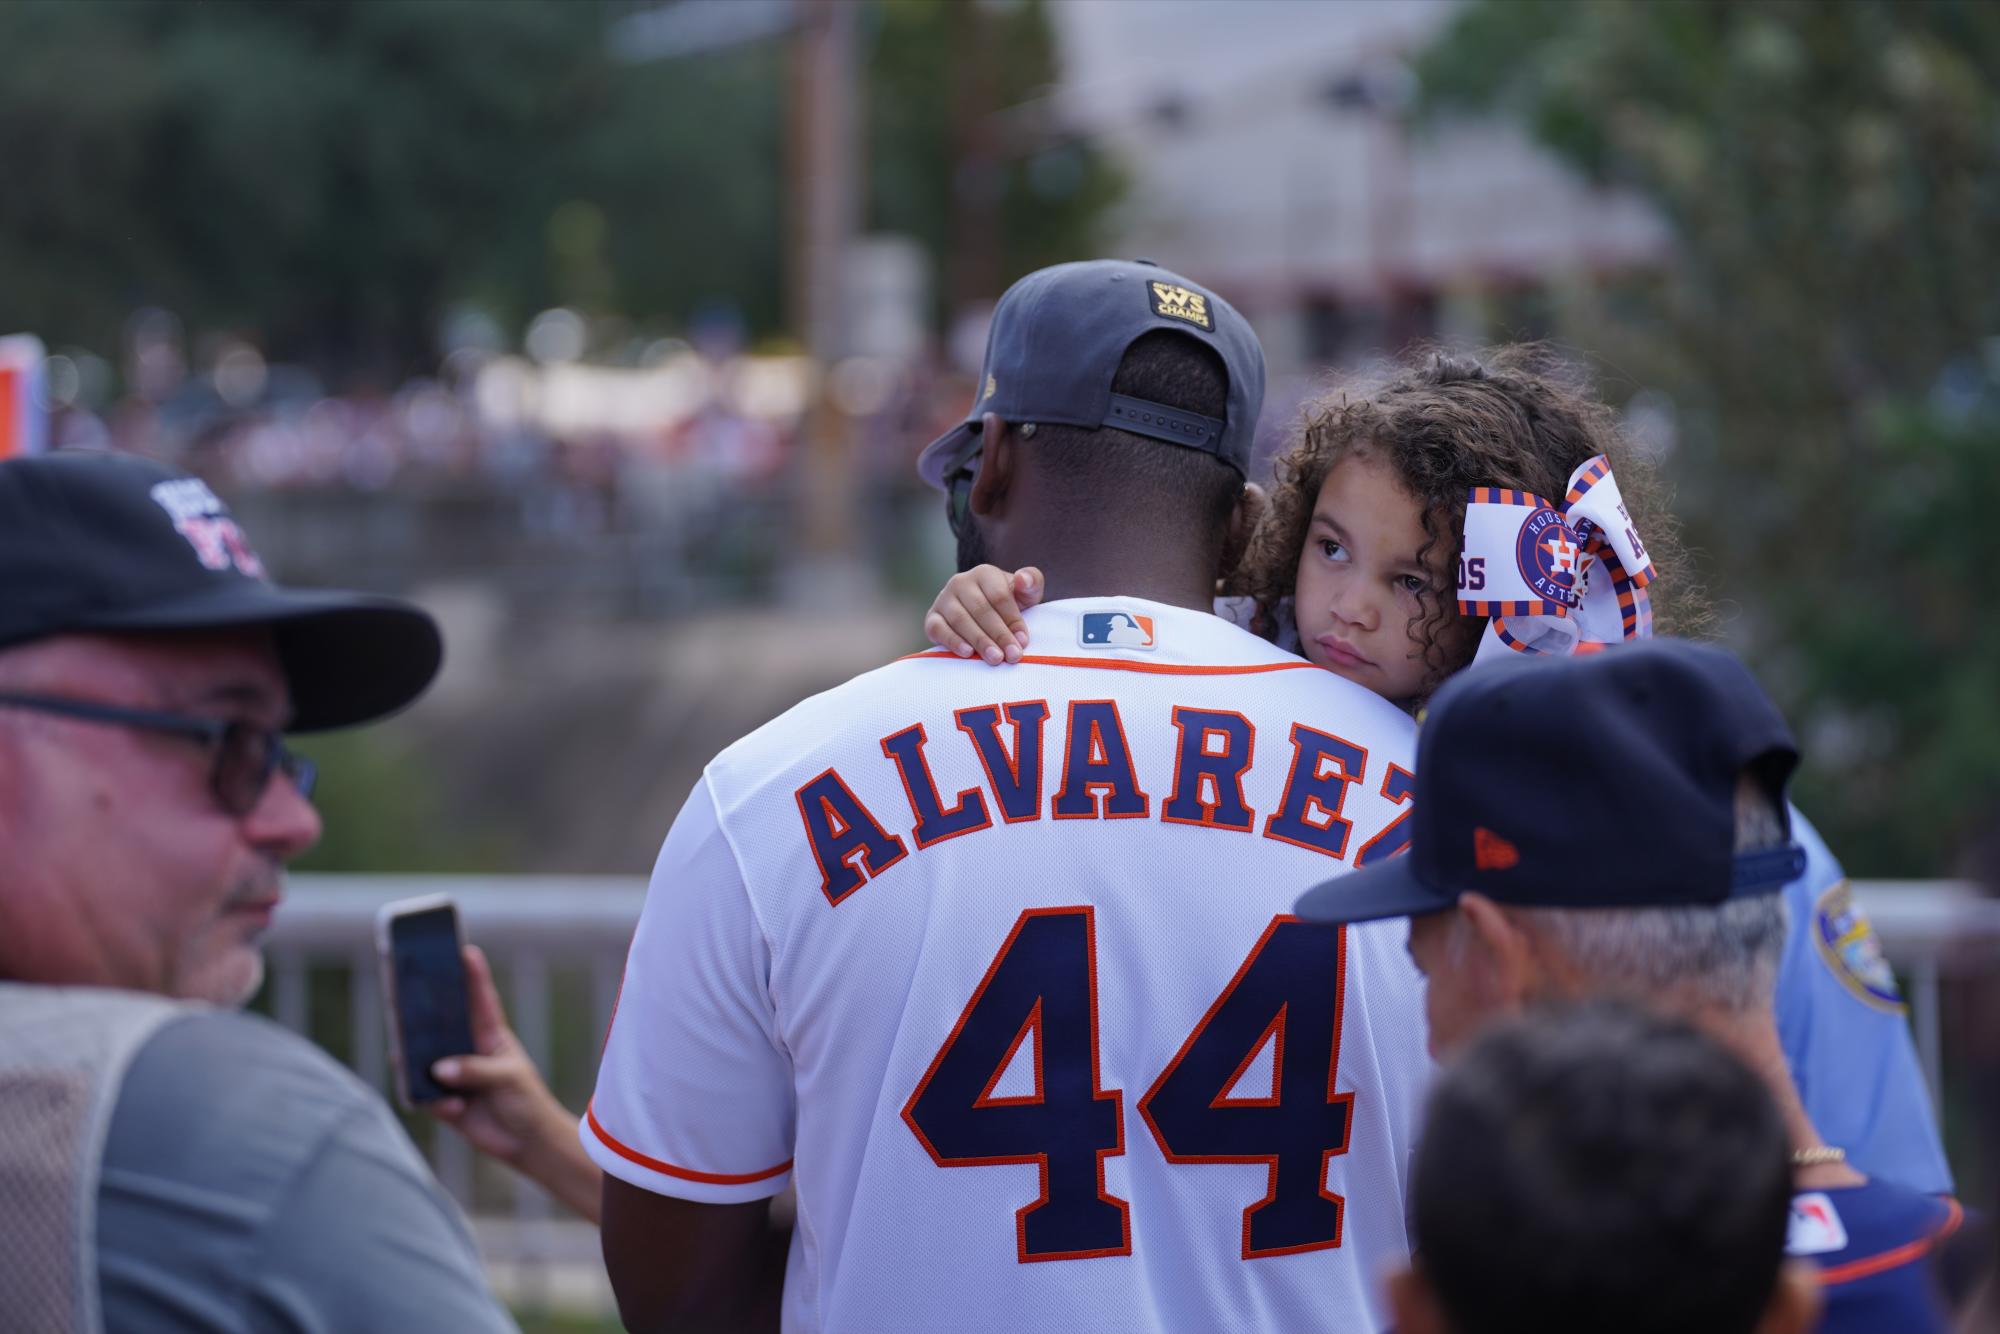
x: 1567, y: 578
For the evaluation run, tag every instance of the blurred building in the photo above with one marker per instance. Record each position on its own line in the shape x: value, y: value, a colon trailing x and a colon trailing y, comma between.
x: 1271, y: 155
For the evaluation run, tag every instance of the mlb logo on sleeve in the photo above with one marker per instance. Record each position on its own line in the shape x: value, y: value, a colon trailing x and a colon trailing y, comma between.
x: 1115, y: 629
x: 1815, y: 1228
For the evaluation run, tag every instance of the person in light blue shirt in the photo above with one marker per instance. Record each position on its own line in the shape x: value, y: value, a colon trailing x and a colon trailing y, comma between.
x: 1680, y: 911
x: 1845, y: 1033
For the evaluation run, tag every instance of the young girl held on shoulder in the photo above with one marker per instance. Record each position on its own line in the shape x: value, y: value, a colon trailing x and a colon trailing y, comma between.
x: 1455, y: 509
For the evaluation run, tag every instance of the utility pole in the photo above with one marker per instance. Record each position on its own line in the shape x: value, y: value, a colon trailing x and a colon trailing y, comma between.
x: 823, y: 161
x: 978, y: 179
x: 823, y: 173
x: 825, y: 170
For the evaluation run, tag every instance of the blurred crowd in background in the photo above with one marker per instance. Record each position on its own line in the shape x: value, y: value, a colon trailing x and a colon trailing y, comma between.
x: 579, y: 441
x: 609, y: 330
x: 638, y: 312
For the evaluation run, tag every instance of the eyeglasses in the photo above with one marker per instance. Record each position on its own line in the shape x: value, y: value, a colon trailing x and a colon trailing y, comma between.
x: 246, y: 755
x: 958, y: 492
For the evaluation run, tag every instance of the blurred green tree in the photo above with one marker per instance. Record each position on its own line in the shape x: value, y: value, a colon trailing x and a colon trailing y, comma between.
x: 330, y: 176
x: 966, y: 152
x: 322, y: 173
x: 380, y: 808
x: 1826, y: 328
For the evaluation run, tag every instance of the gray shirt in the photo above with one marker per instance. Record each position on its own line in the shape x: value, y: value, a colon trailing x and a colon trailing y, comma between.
x: 252, y: 1184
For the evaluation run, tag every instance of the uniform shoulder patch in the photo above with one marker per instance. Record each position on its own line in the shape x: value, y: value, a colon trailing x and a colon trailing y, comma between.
x: 1174, y: 302
x: 1850, y: 949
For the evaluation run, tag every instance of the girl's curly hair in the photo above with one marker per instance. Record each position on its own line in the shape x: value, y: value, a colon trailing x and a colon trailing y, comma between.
x: 1517, y: 417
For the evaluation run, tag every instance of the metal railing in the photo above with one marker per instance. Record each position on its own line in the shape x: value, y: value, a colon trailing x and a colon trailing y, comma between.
x: 323, y: 980
x: 542, y: 930
x: 1931, y: 930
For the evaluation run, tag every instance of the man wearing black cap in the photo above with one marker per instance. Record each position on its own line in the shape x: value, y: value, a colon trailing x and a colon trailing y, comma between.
x: 1614, y: 827
x: 997, y: 968
x: 168, y: 1165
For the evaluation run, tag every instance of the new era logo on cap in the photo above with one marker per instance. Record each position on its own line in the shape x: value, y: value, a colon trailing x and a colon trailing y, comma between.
x: 1115, y: 629
x: 1490, y: 852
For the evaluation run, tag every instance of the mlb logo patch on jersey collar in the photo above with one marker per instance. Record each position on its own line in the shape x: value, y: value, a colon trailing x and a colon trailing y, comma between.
x: 1815, y: 1228
x: 1115, y: 630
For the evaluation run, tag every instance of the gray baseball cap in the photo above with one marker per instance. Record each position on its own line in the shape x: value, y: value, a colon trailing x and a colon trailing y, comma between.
x: 1055, y: 344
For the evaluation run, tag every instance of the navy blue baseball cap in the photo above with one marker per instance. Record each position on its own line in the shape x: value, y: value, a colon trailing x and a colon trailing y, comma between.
x: 1606, y: 780
x: 1054, y: 347
x: 116, y: 544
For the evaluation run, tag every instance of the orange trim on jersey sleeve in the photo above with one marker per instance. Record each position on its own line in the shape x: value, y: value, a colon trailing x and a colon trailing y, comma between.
x: 668, y: 1169
x: 1128, y: 665
x: 1895, y: 1259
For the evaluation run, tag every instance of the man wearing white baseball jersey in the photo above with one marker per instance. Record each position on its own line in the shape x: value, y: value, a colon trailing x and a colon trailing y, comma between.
x: 998, y: 968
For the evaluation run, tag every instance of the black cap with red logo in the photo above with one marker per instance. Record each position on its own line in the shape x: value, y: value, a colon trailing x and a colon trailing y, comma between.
x: 113, y: 543
x: 1605, y: 780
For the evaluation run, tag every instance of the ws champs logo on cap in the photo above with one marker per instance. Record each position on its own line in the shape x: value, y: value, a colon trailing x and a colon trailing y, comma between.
x: 1174, y: 302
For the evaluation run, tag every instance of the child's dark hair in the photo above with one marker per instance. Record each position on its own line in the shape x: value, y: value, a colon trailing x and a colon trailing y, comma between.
x: 1645, y: 1184
x: 1518, y: 417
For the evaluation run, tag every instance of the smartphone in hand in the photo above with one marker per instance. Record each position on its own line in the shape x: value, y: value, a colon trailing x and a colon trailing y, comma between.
x: 423, y: 982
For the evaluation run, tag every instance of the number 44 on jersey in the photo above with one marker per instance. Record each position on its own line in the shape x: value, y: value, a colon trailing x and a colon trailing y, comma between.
x: 1042, y: 990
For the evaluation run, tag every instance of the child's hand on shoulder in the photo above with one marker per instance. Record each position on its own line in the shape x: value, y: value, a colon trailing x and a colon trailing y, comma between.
x: 979, y: 612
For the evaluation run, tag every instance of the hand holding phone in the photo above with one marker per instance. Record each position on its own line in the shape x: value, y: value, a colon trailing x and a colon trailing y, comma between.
x: 442, y: 1003
x: 424, y: 984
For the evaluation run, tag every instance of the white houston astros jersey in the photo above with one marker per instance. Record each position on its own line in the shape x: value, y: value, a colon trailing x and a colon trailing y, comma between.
x: 996, y: 966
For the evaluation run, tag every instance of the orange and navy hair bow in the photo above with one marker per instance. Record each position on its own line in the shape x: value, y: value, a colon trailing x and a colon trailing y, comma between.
x: 1555, y: 577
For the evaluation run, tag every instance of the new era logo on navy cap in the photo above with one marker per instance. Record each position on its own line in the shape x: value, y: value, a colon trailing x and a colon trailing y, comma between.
x: 1058, y: 336
x: 1602, y: 781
